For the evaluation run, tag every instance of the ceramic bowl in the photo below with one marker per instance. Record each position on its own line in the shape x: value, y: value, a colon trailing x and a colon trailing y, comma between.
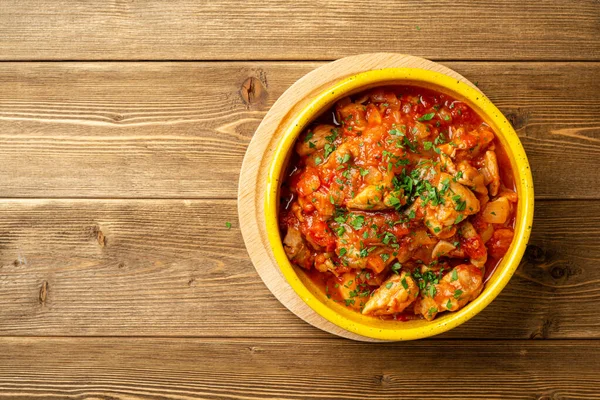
x: 385, y: 329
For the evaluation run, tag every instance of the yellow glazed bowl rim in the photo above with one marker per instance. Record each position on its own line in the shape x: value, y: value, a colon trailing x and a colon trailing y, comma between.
x: 369, y: 326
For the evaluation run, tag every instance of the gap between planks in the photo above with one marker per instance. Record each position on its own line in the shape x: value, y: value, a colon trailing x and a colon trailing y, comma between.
x: 175, y: 60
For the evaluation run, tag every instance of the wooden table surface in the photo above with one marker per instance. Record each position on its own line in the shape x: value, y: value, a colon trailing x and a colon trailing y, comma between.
x: 123, y: 125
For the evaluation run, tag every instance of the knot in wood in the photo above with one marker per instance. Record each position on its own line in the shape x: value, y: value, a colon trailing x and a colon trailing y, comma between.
x: 43, y: 292
x: 535, y: 254
x: 518, y: 118
x: 383, y: 380
x: 558, y: 272
x: 253, y: 92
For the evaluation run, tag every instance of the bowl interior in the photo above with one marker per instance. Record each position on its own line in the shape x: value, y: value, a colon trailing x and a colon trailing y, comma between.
x: 386, y: 329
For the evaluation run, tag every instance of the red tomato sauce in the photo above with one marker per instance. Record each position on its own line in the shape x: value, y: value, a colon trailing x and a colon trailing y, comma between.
x: 399, y: 203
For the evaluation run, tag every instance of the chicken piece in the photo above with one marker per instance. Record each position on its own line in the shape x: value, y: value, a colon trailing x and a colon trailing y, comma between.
x: 457, y: 288
x: 371, y: 278
x: 446, y: 164
x: 370, y: 198
x: 458, y: 202
x: 352, y: 115
x: 469, y: 176
x: 377, y: 197
x: 393, y: 296
x: 315, y: 139
x: 490, y: 172
x: 296, y: 249
x: 323, y: 263
x: 375, y: 177
x: 497, y: 211
x: 472, y: 142
x: 472, y: 244
x: 442, y: 248
x: 351, y: 255
x: 342, y: 155
x: 348, y: 287
x: 322, y: 202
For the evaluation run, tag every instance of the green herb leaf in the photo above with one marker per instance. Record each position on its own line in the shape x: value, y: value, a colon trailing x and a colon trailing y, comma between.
x: 357, y: 222
x: 331, y: 138
x: 457, y: 293
x: 431, y: 291
x: 426, y: 117
x: 404, y: 283
x: 389, y: 285
x: 454, y: 275
x: 328, y: 150
x: 228, y: 225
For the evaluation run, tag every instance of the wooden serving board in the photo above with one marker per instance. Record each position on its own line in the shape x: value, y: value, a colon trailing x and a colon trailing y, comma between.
x: 253, y: 176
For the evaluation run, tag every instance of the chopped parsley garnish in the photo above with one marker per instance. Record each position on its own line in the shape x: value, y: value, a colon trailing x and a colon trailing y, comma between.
x: 388, y: 237
x: 357, y: 222
x: 426, y: 117
x: 389, y: 285
x: 427, y: 145
x: 457, y: 293
x: 431, y: 291
x: 396, y: 267
x: 343, y: 252
x: 228, y: 225
x: 318, y: 160
x: 385, y: 256
x: 328, y: 150
x: 449, y: 304
x: 331, y: 138
x: 309, y: 136
x: 410, y: 144
x: 404, y: 283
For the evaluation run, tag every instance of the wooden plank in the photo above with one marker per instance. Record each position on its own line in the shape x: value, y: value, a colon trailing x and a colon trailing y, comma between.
x: 172, y: 268
x: 134, y: 368
x: 154, y: 130
x: 311, y: 30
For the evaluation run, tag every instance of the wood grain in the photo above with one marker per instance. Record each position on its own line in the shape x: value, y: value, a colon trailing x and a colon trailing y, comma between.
x: 310, y: 30
x: 172, y: 268
x: 128, y: 368
x: 153, y: 130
